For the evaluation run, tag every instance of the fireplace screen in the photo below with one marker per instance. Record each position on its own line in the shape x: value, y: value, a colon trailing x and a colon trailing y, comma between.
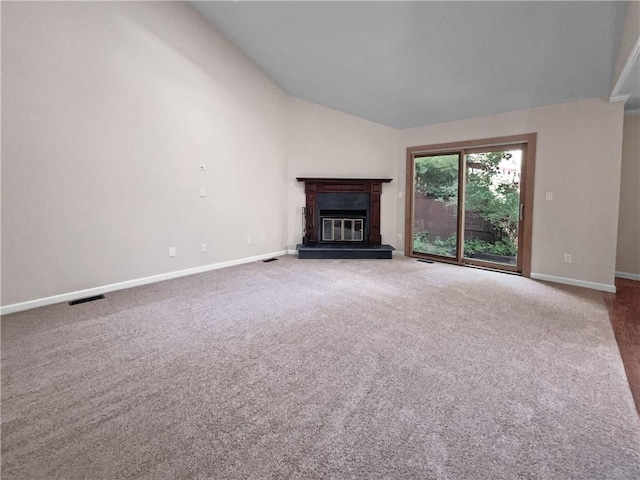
x: 342, y: 229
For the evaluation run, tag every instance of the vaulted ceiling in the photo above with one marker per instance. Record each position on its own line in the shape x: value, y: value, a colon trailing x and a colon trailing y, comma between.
x: 405, y: 64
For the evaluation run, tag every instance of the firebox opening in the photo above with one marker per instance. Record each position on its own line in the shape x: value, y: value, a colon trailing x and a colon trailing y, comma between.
x: 342, y: 225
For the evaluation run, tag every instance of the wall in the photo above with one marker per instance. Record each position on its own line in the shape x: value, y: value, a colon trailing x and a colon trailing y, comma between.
x: 323, y: 142
x: 578, y: 159
x: 107, y: 111
x: 628, y: 253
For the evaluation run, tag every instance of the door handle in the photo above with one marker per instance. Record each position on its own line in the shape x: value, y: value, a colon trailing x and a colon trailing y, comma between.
x: 521, y: 211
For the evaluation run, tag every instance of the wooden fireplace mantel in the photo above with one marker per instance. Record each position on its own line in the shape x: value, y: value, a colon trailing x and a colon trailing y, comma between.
x: 343, y: 180
x: 313, y: 186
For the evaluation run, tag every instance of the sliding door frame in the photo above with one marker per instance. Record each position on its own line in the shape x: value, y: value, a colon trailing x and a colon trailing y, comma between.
x: 528, y: 143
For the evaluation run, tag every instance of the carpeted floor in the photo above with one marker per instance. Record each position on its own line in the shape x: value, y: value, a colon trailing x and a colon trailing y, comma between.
x: 314, y: 369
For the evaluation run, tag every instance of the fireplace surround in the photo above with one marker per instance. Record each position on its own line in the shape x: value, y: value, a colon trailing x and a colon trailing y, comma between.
x: 342, y: 218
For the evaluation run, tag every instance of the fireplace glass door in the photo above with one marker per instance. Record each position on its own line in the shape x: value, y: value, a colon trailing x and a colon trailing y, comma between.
x: 342, y: 229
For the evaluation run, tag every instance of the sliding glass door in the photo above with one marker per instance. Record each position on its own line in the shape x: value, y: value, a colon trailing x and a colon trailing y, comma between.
x: 472, y: 204
x: 435, y: 213
x: 492, y: 206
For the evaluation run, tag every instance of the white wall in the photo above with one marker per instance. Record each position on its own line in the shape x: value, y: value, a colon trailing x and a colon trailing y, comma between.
x: 628, y: 254
x: 323, y: 142
x: 578, y: 159
x: 107, y: 111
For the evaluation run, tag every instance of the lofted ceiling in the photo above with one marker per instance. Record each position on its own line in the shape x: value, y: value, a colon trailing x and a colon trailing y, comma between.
x: 405, y: 64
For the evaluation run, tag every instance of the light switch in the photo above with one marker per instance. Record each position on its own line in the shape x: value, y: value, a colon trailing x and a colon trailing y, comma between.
x: 202, y: 192
x: 549, y: 196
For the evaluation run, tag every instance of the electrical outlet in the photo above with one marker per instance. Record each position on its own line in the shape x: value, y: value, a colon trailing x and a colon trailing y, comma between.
x: 263, y: 237
x: 567, y: 258
x: 248, y: 240
x: 203, y: 247
x: 172, y: 251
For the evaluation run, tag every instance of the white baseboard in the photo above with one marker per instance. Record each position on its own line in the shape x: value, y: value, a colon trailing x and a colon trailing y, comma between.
x: 576, y: 283
x: 628, y: 276
x: 399, y: 253
x: 66, y: 297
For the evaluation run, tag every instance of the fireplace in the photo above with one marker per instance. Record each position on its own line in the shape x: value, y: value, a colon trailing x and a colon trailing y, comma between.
x: 342, y: 215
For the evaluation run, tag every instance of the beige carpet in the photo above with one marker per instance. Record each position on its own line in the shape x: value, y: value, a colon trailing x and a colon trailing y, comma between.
x: 314, y: 369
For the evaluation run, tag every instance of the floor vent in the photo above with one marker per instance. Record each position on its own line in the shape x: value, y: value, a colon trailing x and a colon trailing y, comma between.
x: 85, y: 300
x: 424, y: 260
x: 270, y: 260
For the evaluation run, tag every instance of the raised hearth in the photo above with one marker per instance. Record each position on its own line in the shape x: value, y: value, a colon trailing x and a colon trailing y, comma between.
x: 342, y: 218
x: 345, y: 251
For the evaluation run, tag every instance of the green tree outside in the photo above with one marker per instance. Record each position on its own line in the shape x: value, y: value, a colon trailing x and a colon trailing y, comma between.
x: 495, y: 199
